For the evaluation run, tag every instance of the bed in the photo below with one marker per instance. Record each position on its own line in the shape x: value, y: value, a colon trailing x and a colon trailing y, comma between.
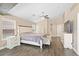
x: 32, y: 38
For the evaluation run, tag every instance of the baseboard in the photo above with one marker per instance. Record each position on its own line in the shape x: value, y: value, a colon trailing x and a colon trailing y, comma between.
x: 75, y: 51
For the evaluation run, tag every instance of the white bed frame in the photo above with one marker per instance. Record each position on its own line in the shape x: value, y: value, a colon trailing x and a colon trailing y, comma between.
x: 30, y: 42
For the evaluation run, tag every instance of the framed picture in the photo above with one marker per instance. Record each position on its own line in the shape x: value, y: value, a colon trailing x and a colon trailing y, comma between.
x: 68, y: 26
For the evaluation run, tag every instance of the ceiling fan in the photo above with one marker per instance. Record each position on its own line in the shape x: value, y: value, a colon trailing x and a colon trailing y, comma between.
x: 43, y: 15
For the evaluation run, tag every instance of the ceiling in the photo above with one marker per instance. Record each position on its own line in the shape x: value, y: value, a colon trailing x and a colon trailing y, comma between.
x: 33, y: 11
x: 5, y: 7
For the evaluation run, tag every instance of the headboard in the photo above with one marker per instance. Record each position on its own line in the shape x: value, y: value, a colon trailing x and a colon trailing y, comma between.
x: 23, y: 29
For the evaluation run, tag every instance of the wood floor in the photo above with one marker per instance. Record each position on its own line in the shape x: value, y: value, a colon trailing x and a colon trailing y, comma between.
x: 56, y: 49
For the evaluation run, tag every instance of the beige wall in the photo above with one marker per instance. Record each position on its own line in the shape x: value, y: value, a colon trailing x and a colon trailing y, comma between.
x: 19, y: 21
x: 58, y: 20
x: 41, y: 27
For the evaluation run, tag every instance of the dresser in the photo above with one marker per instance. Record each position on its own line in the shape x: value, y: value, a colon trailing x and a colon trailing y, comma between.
x: 68, y: 40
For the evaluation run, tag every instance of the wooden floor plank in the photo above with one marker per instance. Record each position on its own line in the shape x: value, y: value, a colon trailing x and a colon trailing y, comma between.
x: 55, y: 49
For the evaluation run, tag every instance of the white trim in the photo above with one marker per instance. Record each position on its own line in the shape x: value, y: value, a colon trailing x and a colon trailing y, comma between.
x: 32, y: 43
x: 77, y: 33
x: 75, y: 51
